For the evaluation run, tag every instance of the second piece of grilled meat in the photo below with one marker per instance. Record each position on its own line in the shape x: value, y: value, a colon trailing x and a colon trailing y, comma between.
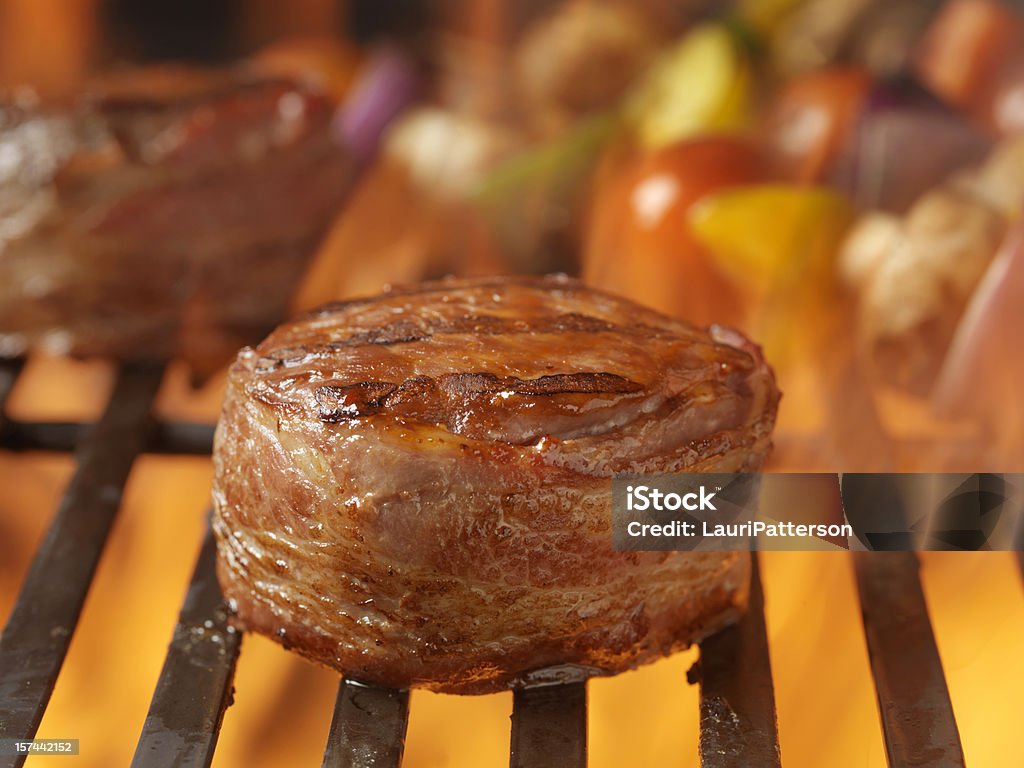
x: 168, y: 211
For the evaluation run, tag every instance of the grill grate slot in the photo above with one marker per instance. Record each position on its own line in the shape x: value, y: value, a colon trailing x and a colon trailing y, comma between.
x: 549, y: 726
x: 183, y: 729
x: 738, y: 726
x: 36, y: 638
x: 368, y: 728
x: 917, y: 715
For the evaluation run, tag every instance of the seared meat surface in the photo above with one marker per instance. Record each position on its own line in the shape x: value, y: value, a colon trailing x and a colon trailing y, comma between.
x: 168, y: 211
x: 415, y: 488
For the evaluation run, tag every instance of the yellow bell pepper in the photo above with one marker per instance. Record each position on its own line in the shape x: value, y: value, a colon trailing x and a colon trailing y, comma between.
x: 701, y: 85
x: 779, y: 243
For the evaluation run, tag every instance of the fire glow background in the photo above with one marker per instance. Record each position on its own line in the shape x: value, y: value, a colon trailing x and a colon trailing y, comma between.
x: 826, y: 703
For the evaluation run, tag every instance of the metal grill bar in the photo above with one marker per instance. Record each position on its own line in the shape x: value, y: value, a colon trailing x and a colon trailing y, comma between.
x: 39, y: 630
x: 368, y: 729
x: 549, y: 726
x: 182, y: 730
x: 182, y: 437
x: 9, y: 370
x: 917, y: 716
x: 165, y: 437
x: 738, y: 726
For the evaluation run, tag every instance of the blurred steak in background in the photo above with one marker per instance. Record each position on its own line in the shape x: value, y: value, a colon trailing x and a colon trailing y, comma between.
x: 167, y: 211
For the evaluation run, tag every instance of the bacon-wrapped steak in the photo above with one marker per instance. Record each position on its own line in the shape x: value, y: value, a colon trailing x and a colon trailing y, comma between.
x: 415, y: 488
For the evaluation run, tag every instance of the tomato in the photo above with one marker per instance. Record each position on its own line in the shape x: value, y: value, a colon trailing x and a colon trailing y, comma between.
x: 811, y: 120
x: 638, y: 242
x: 965, y: 49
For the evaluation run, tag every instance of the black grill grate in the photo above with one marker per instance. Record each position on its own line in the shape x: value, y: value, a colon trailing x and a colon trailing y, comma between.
x: 917, y: 716
x: 737, y: 698
x: 182, y: 730
x: 738, y: 723
x: 36, y: 638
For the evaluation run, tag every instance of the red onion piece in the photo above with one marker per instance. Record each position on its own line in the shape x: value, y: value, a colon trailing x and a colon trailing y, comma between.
x: 388, y: 84
x: 906, y: 143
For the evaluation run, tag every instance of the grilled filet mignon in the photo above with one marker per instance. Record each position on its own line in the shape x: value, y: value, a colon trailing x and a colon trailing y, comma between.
x: 414, y: 488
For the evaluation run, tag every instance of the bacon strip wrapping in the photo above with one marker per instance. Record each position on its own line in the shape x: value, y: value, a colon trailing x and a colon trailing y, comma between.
x: 414, y: 488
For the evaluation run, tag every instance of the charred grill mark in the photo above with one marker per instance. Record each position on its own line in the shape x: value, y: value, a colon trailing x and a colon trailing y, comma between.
x: 399, y: 332
x: 405, y: 331
x: 556, y: 384
x: 341, y: 403
x: 417, y: 390
x: 348, y: 402
x: 285, y: 357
